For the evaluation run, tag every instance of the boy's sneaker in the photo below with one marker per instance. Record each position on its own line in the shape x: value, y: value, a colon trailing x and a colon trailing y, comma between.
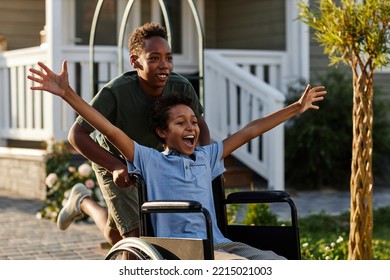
x: 71, y: 211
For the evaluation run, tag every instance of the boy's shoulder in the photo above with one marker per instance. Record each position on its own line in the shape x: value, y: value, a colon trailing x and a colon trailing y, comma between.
x: 177, y: 78
x: 124, y: 78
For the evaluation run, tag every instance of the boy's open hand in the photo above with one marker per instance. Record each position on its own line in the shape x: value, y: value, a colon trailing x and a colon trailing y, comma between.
x: 48, y: 80
x: 310, y: 96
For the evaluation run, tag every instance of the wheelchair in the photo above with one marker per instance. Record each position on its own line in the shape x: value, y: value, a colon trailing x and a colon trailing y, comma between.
x: 283, y: 240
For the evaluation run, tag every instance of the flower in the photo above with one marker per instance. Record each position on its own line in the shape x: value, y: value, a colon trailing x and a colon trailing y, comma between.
x: 51, y: 179
x: 62, y: 175
x: 71, y: 169
x: 90, y: 184
x: 84, y: 170
x: 49, y: 145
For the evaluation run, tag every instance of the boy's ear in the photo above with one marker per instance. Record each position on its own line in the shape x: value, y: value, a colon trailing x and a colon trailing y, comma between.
x: 134, y: 61
x: 161, y: 133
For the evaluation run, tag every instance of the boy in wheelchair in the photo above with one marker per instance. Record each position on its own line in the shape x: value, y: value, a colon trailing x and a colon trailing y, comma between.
x: 184, y: 170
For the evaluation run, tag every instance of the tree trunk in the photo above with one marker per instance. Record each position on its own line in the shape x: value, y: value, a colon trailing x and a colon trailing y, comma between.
x: 361, y: 184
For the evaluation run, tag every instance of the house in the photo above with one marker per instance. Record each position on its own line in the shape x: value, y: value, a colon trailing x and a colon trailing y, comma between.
x: 240, y: 55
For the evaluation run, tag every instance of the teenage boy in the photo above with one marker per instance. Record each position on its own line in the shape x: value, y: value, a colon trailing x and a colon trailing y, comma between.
x: 125, y: 102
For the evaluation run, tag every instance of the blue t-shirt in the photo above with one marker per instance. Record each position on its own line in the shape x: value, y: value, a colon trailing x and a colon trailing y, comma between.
x: 174, y: 176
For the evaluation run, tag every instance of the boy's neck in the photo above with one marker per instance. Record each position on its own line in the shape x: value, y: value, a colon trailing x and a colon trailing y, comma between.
x: 150, y: 91
x: 167, y: 151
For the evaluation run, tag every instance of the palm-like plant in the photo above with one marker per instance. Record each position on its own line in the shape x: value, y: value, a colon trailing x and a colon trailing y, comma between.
x: 357, y: 34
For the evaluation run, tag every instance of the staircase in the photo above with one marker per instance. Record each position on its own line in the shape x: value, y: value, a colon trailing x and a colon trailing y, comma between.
x: 232, y: 98
x: 240, y: 176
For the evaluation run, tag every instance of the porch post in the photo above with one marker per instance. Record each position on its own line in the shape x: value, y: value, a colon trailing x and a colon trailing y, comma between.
x: 54, y: 107
x: 4, y: 100
x: 199, y: 29
x: 298, y: 44
x: 275, y: 147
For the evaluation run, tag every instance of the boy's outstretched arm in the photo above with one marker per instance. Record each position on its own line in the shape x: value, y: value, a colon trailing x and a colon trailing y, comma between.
x: 262, y: 125
x: 59, y: 85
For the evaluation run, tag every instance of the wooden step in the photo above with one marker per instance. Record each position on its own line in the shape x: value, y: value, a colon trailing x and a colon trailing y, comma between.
x: 238, y: 177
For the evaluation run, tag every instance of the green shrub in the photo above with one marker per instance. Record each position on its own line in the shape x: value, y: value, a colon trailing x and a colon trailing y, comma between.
x: 325, y: 237
x: 318, y: 144
x: 254, y: 214
x: 381, y: 225
x: 62, y: 175
x: 231, y: 213
x: 259, y: 214
x: 324, y: 248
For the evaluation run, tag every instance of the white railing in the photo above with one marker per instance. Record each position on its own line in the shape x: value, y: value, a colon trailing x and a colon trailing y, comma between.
x: 22, y: 113
x: 268, y: 66
x: 38, y: 117
x: 232, y: 99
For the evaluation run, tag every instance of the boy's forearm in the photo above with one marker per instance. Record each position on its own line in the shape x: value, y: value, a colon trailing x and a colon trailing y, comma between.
x: 75, y: 101
x: 92, y: 116
x: 258, y: 127
x: 116, y: 136
x: 265, y: 124
x: 80, y: 139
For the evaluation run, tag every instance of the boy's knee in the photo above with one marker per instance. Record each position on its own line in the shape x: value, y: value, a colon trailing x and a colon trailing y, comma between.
x: 112, y: 235
x: 133, y: 233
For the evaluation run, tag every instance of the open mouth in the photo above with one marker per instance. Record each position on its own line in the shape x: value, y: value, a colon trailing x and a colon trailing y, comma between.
x: 162, y: 76
x: 189, y: 140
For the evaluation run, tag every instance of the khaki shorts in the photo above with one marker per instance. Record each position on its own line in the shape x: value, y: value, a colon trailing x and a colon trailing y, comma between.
x: 122, y: 203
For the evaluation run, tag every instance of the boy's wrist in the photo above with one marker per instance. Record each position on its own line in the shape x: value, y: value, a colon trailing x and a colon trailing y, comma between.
x: 68, y: 91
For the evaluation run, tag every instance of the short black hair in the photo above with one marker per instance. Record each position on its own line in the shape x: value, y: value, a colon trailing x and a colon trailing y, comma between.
x: 140, y: 34
x: 160, y: 110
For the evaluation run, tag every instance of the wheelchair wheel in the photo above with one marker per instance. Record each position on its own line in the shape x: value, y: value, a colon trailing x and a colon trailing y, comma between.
x: 133, y: 248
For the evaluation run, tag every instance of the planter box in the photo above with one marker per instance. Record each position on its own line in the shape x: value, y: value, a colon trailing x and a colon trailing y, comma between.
x: 23, y: 172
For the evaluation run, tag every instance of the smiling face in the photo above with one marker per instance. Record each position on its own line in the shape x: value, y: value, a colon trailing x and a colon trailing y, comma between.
x: 182, y: 130
x: 153, y: 64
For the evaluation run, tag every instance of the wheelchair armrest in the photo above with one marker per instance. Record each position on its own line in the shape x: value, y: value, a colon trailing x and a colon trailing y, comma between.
x: 179, y: 206
x: 264, y: 197
x: 171, y: 206
x: 257, y: 197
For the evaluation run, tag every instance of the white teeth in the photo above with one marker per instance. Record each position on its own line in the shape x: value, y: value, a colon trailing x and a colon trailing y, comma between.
x: 189, y: 137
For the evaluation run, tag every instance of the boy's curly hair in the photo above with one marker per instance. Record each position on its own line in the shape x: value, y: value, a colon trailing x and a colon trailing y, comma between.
x: 140, y: 34
x: 159, y: 113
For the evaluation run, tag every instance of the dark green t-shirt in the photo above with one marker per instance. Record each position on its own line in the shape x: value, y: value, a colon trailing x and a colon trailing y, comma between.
x: 126, y: 106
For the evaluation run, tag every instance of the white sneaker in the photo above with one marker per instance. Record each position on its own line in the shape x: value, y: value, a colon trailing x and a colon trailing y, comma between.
x: 71, y: 211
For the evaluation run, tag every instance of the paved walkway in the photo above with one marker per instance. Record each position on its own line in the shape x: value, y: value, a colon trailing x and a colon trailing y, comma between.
x: 329, y: 202
x: 22, y: 236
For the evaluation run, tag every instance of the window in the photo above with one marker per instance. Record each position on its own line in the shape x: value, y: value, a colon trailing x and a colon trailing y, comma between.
x: 174, y: 9
x: 106, y: 30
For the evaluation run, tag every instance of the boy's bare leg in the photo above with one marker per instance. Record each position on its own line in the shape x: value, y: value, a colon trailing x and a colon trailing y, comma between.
x: 99, y: 215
